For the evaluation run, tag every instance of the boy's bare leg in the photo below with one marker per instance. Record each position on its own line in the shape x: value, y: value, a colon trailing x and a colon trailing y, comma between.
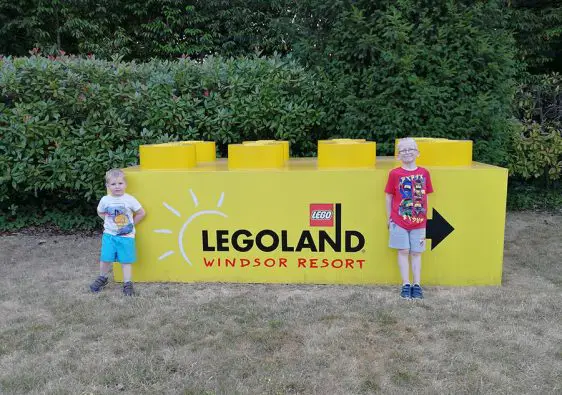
x: 105, y: 268
x: 127, y: 272
x: 404, y: 265
x: 416, y: 266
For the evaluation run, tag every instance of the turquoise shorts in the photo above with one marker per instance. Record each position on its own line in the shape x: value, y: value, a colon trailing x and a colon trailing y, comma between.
x: 402, y: 239
x: 118, y: 249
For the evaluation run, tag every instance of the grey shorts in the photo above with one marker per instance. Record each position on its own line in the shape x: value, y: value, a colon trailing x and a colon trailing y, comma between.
x: 402, y: 239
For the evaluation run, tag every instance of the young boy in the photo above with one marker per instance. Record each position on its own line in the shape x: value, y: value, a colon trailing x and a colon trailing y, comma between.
x: 120, y: 213
x: 406, y: 211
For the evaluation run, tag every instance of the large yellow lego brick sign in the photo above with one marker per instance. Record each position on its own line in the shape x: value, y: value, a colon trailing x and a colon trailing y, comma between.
x: 302, y: 224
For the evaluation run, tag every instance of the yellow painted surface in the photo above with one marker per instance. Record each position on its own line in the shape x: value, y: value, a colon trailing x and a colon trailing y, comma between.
x: 341, y: 141
x: 205, y: 151
x: 167, y: 156
x: 176, y: 155
x: 284, y: 143
x: 442, y: 152
x: 196, y: 218
x: 346, y: 153
x: 254, y: 155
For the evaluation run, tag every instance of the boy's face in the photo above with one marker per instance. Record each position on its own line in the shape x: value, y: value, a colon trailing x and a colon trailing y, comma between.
x: 116, y: 186
x: 408, y: 153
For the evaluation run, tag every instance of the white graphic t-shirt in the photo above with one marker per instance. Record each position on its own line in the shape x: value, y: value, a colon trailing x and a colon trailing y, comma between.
x: 118, y: 212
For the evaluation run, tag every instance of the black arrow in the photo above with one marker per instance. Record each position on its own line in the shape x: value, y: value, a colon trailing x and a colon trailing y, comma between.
x: 437, y: 229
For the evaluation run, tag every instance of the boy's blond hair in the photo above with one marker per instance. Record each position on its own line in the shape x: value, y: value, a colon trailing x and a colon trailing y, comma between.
x: 113, y: 173
x: 407, y: 140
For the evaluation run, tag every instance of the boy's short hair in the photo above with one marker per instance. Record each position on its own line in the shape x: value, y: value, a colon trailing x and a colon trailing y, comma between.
x: 407, y: 140
x: 114, y: 173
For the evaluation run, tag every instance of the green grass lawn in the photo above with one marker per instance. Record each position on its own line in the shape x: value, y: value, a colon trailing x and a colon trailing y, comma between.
x: 56, y: 337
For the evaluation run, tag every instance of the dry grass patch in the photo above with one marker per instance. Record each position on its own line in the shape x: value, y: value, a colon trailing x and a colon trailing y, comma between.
x: 56, y: 337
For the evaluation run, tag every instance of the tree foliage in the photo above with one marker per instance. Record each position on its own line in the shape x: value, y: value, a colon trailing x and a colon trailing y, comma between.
x: 139, y: 30
x: 537, y: 26
x: 407, y: 67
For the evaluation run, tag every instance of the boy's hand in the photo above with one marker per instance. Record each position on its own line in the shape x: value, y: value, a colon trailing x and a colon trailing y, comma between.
x: 139, y: 215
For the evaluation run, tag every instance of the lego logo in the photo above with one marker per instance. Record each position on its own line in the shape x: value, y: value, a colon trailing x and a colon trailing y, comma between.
x: 322, y: 214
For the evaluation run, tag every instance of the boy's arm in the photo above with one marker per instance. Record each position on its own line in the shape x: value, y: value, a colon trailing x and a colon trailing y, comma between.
x: 388, y: 190
x: 139, y: 215
x: 101, y: 208
x: 388, y: 199
x: 428, y: 184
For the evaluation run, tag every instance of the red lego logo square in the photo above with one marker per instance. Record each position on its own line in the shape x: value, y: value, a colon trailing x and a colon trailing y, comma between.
x: 322, y: 214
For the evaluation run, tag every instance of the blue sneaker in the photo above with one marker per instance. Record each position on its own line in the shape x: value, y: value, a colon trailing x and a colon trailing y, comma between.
x: 406, y: 291
x: 417, y: 292
x: 128, y: 289
x: 98, y: 284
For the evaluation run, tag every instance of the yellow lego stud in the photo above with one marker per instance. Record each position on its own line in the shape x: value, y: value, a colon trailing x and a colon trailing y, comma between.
x: 254, y: 155
x: 442, y: 152
x: 342, y: 141
x: 284, y: 143
x: 346, y: 153
x: 176, y: 155
x: 167, y: 156
x: 205, y: 151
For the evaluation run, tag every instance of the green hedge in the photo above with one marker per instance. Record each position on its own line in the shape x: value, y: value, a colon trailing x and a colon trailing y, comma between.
x: 65, y: 121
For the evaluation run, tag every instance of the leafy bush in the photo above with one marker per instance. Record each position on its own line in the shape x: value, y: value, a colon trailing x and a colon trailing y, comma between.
x: 537, y: 28
x: 62, y: 218
x: 537, y: 152
x: 366, y: 69
x: 532, y: 195
x: 539, y: 98
x: 65, y: 121
x: 399, y: 68
x: 537, y: 139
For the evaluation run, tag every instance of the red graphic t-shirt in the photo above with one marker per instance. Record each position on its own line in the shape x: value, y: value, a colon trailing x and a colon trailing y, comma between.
x: 409, y: 189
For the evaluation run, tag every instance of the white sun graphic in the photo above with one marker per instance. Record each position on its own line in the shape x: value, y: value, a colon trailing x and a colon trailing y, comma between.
x: 186, y: 224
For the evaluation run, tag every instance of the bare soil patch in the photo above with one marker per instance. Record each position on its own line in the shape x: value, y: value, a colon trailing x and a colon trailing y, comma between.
x: 56, y: 337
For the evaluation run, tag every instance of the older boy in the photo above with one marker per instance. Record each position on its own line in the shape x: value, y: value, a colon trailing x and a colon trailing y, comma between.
x: 406, y: 210
x: 120, y: 213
